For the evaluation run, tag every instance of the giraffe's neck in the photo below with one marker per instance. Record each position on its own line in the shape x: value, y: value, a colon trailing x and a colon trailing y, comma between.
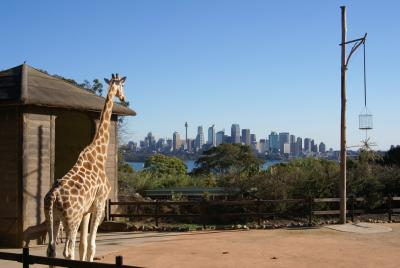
x: 102, y: 136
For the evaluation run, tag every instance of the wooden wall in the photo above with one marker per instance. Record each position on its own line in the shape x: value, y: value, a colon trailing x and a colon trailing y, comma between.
x: 38, y: 154
x: 10, y: 198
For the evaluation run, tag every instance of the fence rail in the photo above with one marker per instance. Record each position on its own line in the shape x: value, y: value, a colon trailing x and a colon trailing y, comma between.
x: 256, y: 208
x: 27, y: 260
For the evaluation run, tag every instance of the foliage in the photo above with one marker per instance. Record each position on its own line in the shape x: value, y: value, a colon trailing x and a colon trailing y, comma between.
x: 228, y: 159
x: 392, y: 157
x: 300, y: 178
x: 96, y: 87
x: 368, y: 176
x: 162, y: 165
x: 161, y: 172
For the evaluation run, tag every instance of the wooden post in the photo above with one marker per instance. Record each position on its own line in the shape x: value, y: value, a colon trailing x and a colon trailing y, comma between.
x: 342, y: 184
x: 352, y: 199
x: 389, y: 207
x: 204, y: 213
x: 25, y: 257
x: 310, y: 210
x: 119, y: 261
x: 109, y: 210
x: 259, y: 211
x: 157, y: 211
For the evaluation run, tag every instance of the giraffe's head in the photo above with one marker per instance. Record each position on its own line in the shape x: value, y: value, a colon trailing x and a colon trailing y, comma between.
x: 117, y: 84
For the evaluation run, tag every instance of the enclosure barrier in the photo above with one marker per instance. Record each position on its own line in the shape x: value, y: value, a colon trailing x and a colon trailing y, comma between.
x: 204, y: 206
x: 27, y: 260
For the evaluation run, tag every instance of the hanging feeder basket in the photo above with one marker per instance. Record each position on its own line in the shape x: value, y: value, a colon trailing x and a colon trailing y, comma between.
x: 365, y: 120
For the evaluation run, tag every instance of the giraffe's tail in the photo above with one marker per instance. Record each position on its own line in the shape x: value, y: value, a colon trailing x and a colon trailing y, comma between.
x: 49, y: 215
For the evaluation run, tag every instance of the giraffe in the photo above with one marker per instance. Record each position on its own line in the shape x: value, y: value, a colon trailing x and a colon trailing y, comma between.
x: 80, y: 196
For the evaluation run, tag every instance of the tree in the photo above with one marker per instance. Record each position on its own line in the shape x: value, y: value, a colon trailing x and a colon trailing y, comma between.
x: 95, y: 87
x: 162, y: 165
x: 228, y: 159
x: 392, y: 157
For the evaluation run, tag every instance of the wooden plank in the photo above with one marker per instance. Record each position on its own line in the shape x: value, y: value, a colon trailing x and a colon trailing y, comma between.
x: 321, y: 200
x: 73, y: 263
x: 11, y: 256
x: 161, y: 203
x: 35, y: 116
x: 335, y: 212
x: 396, y: 198
x: 124, y: 215
x: 326, y: 212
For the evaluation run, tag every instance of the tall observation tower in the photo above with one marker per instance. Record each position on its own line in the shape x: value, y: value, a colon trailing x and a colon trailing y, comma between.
x: 186, y: 139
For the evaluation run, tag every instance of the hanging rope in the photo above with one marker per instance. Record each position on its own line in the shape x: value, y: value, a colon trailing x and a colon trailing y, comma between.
x: 365, y: 79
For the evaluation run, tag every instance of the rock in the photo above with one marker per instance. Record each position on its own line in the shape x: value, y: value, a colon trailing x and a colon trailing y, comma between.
x: 238, y: 226
x: 114, y: 226
x: 132, y: 228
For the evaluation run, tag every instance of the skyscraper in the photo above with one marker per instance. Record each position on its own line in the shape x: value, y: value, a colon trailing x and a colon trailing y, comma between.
x: 151, y: 141
x: 274, y: 142
x: 235, y: 133
x: 262, y: 146
x: 246, y: 136
x: 299, y: 146
x: 284, y: 139
x: 314, y: 148
x: 307, y: 145
x: 176, y: 144
x: 292, y: 141
x: 200, y: 137
x: 220, y: 137
x: 253, y: 138
x: 322, y: 148
x: 212, y: 141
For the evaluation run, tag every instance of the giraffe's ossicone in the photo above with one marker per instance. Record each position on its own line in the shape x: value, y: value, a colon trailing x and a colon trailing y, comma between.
x: 80, y: 195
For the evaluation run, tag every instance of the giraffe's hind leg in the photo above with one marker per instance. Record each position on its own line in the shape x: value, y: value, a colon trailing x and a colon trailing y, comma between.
x: 84, y: 237
x: 71, y: 232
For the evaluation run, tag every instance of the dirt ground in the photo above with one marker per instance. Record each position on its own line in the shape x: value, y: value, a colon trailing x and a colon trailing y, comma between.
x: 268, y: 248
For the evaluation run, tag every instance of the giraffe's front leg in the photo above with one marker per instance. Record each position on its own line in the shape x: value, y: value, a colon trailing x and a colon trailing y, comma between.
x: 95, y: 220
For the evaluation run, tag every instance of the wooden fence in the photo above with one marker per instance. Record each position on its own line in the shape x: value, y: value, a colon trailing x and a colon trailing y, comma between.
x: 255, y: 208
x: 27, y: 260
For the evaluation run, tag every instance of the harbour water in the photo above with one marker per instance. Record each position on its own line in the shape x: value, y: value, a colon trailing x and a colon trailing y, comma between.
x: 190, y: 164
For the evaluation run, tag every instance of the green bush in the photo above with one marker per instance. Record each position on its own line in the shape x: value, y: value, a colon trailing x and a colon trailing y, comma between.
x: 368, y: 176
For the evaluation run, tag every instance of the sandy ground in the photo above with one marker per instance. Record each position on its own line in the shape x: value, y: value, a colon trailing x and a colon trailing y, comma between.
x: 321, y: 247
x: 268, y: 248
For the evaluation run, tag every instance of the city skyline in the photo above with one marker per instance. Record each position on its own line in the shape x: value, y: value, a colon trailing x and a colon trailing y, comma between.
x: 273, y: 144
x: 265, y: 65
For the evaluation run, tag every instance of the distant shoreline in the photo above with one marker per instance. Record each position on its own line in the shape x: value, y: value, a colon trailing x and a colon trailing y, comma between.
x: 190, y: 164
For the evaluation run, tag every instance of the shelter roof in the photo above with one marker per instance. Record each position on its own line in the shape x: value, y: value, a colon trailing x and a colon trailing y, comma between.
x: 26, y: 85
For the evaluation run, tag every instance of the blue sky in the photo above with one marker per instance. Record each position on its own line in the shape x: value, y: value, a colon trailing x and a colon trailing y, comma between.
x: 266, y: 65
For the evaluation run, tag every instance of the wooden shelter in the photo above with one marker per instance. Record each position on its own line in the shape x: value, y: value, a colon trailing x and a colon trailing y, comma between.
x: 45, y: 122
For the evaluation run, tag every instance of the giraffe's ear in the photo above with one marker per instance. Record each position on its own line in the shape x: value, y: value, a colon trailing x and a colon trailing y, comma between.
x: 123, y: 79
x: 107, y: 81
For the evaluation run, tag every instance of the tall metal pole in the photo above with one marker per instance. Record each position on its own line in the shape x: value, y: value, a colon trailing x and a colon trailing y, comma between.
x: 186, y: 139
x: 343, y: 123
